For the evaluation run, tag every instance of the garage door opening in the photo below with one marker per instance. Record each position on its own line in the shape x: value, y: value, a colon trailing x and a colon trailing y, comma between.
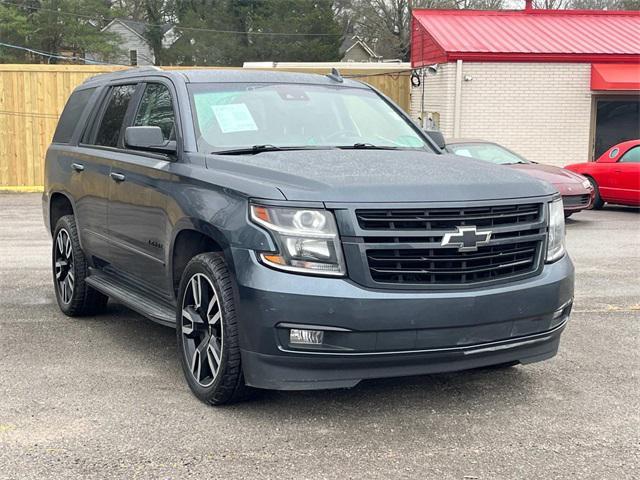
x: 617, y: 120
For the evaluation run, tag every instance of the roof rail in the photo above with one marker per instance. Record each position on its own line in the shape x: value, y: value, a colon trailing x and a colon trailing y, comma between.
x: 119, y: 73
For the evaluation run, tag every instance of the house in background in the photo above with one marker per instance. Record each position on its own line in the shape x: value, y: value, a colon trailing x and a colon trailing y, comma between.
x: 137, y: 50
x: 355, y: 49
x: 557, y: 86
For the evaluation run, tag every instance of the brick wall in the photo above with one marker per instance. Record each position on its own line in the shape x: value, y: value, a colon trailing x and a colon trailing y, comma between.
x: 540, y: 110
x: 439, y: 92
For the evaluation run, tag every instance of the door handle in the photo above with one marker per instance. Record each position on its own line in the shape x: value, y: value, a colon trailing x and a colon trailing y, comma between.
x: 118, y: 177
x: 78, y: 167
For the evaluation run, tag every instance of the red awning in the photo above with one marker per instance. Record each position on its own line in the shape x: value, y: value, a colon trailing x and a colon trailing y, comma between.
x: 613, y: 76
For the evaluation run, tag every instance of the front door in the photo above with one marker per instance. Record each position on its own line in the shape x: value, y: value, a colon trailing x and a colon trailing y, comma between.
x: 139, y: 225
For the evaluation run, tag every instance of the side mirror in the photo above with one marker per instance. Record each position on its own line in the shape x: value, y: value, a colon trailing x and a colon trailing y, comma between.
x: 437, y: 137
x: 148, y: 138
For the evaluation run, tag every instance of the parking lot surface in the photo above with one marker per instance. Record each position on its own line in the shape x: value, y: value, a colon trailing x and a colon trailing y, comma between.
x: 104, y: 397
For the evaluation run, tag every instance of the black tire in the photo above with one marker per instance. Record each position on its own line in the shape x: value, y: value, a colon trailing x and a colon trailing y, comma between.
x: 568, y: 214
x: 598, y: 203
x: 70, y: 270
x: 211, y: 330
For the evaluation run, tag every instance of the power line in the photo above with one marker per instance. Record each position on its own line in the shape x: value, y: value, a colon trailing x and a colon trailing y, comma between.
x: 43, y: 116
x: 96, y: 62
x: 58, y: 56
x: 195, y: 29
x: 395, y: 72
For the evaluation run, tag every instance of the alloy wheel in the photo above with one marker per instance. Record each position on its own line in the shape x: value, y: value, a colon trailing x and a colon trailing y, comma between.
x: 202, y: 329
x: 63, y: 266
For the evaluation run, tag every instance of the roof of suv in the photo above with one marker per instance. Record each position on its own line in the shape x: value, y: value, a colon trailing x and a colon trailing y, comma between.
x: 226, y: 76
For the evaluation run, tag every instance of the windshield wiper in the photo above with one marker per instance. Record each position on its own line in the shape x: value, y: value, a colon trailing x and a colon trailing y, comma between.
x: 366, y: 146
x: 272, y: 148
x: 249, y: 150
x: 264, y: 148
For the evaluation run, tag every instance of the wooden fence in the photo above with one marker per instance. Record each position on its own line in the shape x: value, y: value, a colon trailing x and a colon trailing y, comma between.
x: 32, y: 98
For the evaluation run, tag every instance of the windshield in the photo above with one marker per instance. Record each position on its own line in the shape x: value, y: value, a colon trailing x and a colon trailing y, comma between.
x: 243, y: 115
x: 489, y: 152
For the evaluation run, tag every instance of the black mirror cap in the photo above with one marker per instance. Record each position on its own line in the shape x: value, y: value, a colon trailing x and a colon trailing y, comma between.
x: 437, y: 137
x: 148, y: 138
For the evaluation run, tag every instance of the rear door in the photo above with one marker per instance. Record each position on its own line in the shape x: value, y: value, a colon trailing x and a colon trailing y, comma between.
x: 139, y: 224
x: 95, y: 156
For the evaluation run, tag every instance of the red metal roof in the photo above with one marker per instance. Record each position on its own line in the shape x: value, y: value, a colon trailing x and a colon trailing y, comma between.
x: 440, y: 36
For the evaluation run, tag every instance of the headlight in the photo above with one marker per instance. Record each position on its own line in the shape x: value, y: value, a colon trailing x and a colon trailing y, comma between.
x: 307, y: 240
x: 555, y: 246
x: 586, y: 184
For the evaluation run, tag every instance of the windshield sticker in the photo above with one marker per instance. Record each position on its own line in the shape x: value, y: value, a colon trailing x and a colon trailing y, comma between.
x: 234, y: 117
x: 463, y: 152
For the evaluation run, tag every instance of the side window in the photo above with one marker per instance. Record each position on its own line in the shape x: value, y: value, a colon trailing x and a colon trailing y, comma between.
x: 70, y: 115
x: 156, y: 110
x: 632, y: 156
x: 113, y: 118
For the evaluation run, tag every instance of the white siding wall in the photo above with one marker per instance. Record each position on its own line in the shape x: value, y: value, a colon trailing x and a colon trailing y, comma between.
x: 130, y: 41
x: 540, y: 110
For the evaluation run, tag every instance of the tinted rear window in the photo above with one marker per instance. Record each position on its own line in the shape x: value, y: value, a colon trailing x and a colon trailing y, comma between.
x: 113, y: 117
x: 71, y: 114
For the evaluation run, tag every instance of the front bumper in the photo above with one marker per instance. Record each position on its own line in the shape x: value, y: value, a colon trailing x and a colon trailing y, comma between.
x: 376, y: 333
x: 575, y: 202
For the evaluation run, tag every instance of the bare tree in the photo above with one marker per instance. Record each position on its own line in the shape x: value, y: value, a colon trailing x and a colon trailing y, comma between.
x: 386, y: 23
x: 552, y: 4
x: 606, y: 4
x: 480, y: 4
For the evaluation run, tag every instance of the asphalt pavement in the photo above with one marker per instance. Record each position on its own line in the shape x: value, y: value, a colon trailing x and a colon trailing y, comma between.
x: 104, y: 397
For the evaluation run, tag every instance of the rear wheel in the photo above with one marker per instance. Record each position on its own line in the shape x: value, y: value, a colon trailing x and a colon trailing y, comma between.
x: 207, y: 332
x: 70, y: 270
x: 598, y: 203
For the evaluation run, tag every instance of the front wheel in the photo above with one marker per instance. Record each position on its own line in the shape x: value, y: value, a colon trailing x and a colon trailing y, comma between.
x: 598, y: 203
x: 207, y: 332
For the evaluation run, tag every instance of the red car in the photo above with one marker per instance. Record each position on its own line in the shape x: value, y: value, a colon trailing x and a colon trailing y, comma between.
x: 615, y: 176
x: 577, y: 193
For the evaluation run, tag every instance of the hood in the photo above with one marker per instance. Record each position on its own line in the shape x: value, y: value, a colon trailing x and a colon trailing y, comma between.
x: 379, y: 176
x: 548, y: 173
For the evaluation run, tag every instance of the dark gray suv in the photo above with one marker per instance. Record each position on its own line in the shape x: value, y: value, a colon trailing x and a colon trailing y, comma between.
x: 299, y: 232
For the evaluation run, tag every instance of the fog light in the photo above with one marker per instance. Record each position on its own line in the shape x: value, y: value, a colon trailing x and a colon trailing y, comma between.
x: 306, y: 337
x: 560, y: 314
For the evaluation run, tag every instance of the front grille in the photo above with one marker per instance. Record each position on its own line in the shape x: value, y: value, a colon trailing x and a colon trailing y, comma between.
x: 437, y: 266
x: 447, y: 218
x: 402, y: 247
x: 573, y: 201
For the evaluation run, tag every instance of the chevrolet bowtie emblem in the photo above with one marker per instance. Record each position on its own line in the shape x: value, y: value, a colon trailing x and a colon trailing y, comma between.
x: 467, y: 239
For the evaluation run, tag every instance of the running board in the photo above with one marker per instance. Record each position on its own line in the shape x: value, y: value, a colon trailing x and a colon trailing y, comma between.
x: 132, y: 298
